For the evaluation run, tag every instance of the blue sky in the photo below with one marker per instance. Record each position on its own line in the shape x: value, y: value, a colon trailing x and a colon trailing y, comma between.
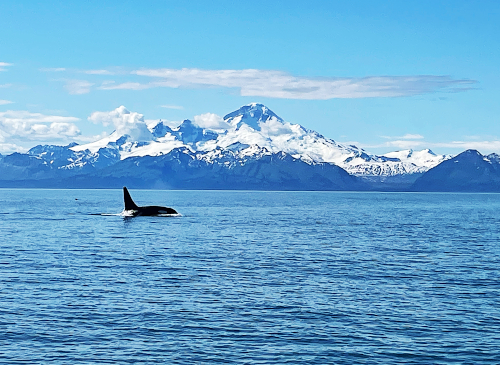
x: 384, y: 75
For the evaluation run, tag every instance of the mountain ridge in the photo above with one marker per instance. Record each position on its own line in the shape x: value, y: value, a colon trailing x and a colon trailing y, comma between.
x: 250, y: 148
x: 255, y: 124
x: 469, y: 171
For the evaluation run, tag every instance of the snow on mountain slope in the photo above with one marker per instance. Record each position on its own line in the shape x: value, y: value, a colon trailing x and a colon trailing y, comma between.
x: 254, y: 130
x: 255, y: 124
x: 93, y: 147
x: 425, y: 158
x: 395, y: 163
x: 161, y: 146
x: 252, y: 115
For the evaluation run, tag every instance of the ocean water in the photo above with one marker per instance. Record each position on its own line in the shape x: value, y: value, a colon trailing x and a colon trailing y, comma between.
x: 250, y: 278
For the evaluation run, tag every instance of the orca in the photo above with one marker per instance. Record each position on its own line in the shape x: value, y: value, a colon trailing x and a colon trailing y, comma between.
x: 135, y: 211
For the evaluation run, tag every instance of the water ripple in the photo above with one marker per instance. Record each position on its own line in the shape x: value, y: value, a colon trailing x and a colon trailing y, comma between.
x: 251, y: 277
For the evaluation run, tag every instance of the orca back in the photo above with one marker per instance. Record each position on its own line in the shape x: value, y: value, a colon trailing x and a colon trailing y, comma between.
x: 129, y: 203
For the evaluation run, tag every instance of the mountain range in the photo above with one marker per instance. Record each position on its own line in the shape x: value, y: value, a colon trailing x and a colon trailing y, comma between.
x: 251, y: 148
x: 469, y: 171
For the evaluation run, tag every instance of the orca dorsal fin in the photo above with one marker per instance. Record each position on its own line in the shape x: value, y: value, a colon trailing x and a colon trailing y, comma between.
x: 129, y: 203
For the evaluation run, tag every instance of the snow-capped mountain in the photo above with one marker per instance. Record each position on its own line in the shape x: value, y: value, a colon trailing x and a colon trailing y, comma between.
x: 254, y: 128
x: 250, y: 148
x: 468, y: 171
x: 394, y: 163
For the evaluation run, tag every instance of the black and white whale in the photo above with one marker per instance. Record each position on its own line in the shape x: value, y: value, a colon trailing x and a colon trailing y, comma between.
x: 131, y: 209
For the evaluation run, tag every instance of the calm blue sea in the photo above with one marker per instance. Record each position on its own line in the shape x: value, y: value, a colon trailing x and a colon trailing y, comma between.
x: 250, y: 278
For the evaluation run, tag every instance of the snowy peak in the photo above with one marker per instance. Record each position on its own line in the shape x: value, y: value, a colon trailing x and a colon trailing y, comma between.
x: 190, y: 133
x: 424, y: 157
x: 396, y: 163
x: 160, y: 130
x: 493, y: 158
x: 254, y: 128
x: 469, y: 156
x: 404, y: 154
x: 467, y: 171
x: 114, y: 139
x: 253, y: 115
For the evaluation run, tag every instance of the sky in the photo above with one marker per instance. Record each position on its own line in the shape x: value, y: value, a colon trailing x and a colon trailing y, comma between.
x: 383, y: 75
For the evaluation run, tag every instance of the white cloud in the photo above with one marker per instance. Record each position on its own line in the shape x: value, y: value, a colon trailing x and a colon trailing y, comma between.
x: 406, y: 136
x: 98, y: 72
x: 3, y: 66
x: 482, y: 146
x: 111, y: 85
x: 125, y: 122
x: 88, y: 139
x: 405, y: 144
x: 273, y: 127
x: 27, y: 126
x: 25, y: 116
x: 415, y: 141
x: 407, y: 141
x: 177, y: 107
x: 5, y: 102
x: 53, y: 69
x: 6, y: 148
x: 474, y: 137
x: 4, y: 86
x: 78, y: 87
x: 278, y: 84
x: 210, y: 121
x: 412, y: 136
x: 151, y: 123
